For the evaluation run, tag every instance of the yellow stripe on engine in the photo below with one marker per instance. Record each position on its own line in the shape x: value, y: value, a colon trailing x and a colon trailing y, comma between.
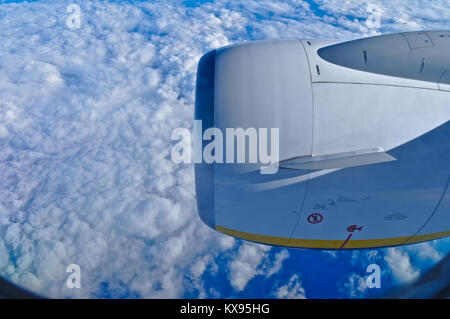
x: 330, y: 243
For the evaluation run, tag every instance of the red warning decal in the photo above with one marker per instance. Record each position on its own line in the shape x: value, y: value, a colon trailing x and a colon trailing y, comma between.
x: 346, y: 241
x: 315, y: 218
x: 352, y: 228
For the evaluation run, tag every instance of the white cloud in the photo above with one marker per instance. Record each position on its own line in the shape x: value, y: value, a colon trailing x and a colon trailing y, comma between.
x: 252, y: 260
x: 292, y: 290
x: 332, y: 253
x: 425, y: 252
x: 86, y: 175
x: 400, y: 265
x: 277, y: 265
x: 246, y: 264
x: 397, y: 15
x: 355, y: 286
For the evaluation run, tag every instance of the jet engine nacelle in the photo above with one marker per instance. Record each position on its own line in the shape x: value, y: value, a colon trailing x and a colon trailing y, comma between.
x: 362, y: 141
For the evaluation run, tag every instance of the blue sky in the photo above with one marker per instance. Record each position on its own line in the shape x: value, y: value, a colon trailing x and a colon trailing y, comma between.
x: 85, y: 170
